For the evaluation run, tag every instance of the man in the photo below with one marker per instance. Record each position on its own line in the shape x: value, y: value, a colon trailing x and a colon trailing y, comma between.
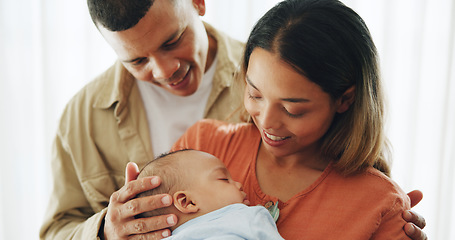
x: 172, y: 70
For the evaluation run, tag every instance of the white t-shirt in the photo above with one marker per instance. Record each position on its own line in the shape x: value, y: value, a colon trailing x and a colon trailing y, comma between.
x: 168, y: 115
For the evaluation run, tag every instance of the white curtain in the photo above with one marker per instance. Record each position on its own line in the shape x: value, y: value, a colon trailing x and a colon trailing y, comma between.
x: 49, y: 49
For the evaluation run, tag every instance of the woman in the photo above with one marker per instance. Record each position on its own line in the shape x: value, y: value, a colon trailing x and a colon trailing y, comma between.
x: 317, y: 143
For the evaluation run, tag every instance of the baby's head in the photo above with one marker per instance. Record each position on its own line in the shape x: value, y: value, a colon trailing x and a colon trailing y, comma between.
x: 198, y: 182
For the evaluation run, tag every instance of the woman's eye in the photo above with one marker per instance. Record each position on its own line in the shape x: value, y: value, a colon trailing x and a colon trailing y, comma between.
x: 292, y: 115
x: 224, y: 179
x: 251, y: 96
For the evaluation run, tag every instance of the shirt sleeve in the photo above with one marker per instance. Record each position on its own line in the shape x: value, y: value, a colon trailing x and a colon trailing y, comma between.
x: 69, y: 214
x: 392, y: 222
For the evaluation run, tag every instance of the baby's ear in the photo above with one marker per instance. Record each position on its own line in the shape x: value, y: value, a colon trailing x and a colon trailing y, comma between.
x: 183, y: 202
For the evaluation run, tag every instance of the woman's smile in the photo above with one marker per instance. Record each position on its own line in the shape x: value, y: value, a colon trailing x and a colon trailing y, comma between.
x: 274, y: 140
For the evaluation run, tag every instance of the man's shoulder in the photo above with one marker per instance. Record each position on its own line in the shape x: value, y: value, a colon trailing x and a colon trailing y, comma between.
x: 232, y: 47
x: 100, y: 91
x: 235, y: 48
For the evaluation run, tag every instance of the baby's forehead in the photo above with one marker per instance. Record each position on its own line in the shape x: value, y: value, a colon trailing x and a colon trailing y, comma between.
x: 196, y: 155
x: 200, y: 160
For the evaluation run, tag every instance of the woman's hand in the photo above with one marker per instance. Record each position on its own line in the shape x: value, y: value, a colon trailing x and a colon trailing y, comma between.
x: 415, y: 221
x: 120, y: 223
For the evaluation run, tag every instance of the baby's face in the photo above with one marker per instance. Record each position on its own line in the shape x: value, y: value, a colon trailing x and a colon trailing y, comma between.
x: 212, y: 186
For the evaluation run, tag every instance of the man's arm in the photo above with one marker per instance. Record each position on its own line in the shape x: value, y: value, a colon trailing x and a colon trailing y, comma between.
x: 71, y: 216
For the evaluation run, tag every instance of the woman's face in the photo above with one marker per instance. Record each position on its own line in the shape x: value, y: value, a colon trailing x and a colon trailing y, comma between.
x: 291, y: 112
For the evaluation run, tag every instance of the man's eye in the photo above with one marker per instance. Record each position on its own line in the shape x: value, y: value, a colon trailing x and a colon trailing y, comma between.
x: 139, y: 61
x: 174, y: 43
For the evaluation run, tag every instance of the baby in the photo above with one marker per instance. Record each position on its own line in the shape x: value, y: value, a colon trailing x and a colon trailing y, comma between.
x: 207, y: 202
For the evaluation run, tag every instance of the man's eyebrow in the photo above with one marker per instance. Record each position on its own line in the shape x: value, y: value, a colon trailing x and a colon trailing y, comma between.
x: 173, y: 36
x: 133, y: 60
x: 169, y: 39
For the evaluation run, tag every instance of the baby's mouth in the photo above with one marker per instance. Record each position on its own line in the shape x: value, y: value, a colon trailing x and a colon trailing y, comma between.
x: 246, y: 202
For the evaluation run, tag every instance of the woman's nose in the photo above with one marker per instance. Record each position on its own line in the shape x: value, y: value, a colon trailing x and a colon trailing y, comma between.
x: 269, y: 118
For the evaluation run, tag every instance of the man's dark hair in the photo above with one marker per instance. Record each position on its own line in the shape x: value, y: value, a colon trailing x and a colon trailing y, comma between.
x: 118, y: 15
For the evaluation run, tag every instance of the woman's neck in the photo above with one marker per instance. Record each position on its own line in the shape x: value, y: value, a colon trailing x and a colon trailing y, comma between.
x: 285, y: 176
x: 310, y: 158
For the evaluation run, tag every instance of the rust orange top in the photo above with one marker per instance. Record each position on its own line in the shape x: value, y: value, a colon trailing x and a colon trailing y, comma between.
x: 367, y: 205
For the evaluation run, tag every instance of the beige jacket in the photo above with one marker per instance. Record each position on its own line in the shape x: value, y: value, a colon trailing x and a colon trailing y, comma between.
x: 103, y: 128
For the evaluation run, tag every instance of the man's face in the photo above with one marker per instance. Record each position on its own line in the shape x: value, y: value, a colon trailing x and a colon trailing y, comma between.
x: 168, y: 47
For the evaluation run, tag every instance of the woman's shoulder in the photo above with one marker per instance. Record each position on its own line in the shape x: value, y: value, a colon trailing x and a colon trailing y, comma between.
x: 371, y: 182
x: 369, y: 189
x: 383, y: 188
x: 381, y: 180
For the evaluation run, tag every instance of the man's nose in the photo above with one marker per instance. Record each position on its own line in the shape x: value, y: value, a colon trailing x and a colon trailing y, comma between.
x: 163, y: 68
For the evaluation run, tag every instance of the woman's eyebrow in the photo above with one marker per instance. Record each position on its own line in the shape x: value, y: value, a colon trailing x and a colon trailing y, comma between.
x: 292, y: 100
x: 248, y: 80
x: 295, y: 100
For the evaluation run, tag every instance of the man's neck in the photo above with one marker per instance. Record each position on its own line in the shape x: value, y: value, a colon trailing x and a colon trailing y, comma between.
x: 213, y: 48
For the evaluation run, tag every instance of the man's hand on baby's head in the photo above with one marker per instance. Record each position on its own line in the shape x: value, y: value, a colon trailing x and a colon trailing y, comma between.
x: 131, y: 172
x: 120, y: 221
